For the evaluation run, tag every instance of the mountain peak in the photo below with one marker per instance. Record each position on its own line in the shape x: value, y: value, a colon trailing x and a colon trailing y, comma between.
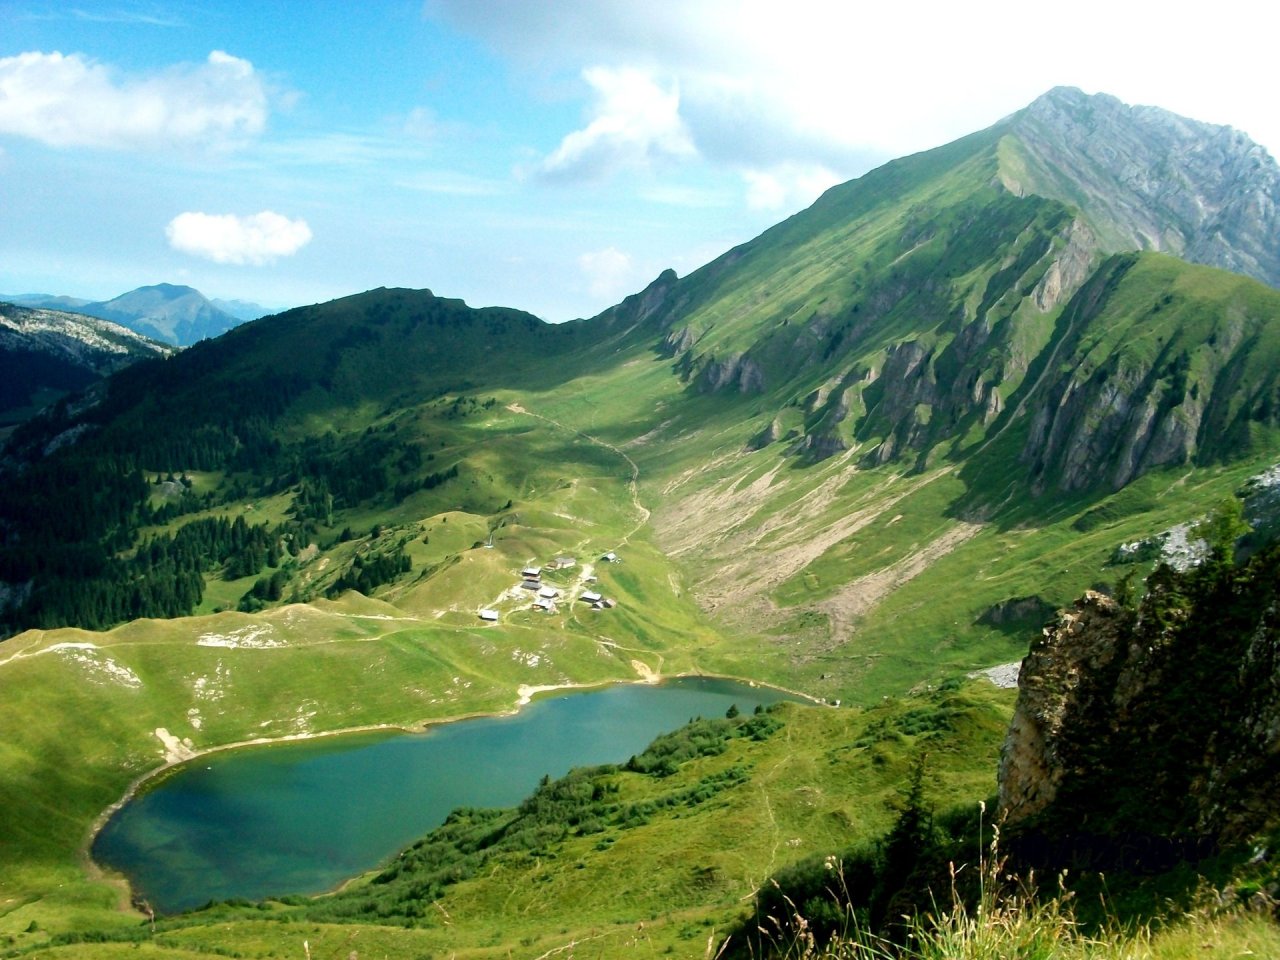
x: 1072, y: 98
x: 1148, y: 179
x: 1102, y: 113
x: 169, y: 290
x: 170, y: 312
x: 160, y: 292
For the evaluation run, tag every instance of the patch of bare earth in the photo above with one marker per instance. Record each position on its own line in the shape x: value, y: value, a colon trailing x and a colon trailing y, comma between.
x: 854, y: 600
x: 743, y: 552
x: 644, y: 438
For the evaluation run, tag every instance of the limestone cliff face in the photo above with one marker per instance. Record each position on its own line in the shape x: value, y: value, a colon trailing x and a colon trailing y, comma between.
x: 1080, y: 643
x: 1156, y: 724
x: 1155, y: 366
x: 98, y: 346
x: 1149, y: 179
x: 740, y: 373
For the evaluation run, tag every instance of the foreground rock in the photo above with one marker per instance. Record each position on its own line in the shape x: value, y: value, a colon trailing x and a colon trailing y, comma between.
x: 1152, y: 730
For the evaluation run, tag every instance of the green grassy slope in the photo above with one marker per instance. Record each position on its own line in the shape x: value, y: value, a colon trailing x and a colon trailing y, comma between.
x: 824, y: 459
x: 819, y: 781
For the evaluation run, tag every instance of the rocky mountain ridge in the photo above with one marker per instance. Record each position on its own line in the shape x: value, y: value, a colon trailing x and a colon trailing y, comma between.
x: 171, y: 313
x: 1147, y: 179
x: 947, y: 297
x: 90, y: 341
x: 48, y: 352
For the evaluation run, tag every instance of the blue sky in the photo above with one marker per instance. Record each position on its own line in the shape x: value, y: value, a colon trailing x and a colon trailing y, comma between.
x: 548, y: 156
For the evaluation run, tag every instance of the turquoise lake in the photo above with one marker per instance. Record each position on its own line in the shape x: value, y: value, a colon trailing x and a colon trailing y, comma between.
x: 302, y: 817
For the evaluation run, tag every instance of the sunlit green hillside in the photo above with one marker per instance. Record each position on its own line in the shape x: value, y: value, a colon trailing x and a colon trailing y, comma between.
x: 858, y: 457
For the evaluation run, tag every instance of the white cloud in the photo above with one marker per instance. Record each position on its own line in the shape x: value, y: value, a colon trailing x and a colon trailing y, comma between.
x: 787, y: 186
x: 610, y: 273
x: 849, y: 85
x: 71, y: 101
x: 258, y: 239
x: 635, y: 123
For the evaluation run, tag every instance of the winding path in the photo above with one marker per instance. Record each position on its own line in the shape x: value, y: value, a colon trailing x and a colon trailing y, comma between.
x: 633, y: 484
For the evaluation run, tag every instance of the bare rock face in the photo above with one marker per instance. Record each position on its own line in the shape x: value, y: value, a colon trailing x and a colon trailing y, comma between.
x: 735, y: 371
x: 1110, y: 428
x: 1154, y: 730
x: 1168, y: 389
x: 97, y: 345
x: 1082, y: 641
x: 1069, y: 269
x: 1149, y: 179
x: 677, y: 342
x: 43, y: 351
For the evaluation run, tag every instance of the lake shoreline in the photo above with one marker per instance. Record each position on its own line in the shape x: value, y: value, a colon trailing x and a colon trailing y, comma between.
x: 176, y: 758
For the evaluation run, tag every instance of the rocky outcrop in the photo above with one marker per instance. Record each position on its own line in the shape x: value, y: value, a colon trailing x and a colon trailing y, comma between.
x: 657, y: 306
x: 1158, y: 363
x: 1111, y: 428
x: 1152, y: 727
x: 99, y: 346
x: 735, y: 372
x: 770, y: 434
x: 820, y: 445
x: 1069, y: 268
x: 677, y: 342
x: 1053, y: 691
x: 1148, y: 179
x: 1017, y: 610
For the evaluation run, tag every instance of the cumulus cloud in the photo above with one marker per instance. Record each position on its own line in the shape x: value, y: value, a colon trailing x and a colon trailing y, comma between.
x: 635, y: 122
x: 72, y: 101
x: 787, y: 186
x: 850, y: 85
x: 256, y: 240
x: 610, y: 273
x: 760, y: 83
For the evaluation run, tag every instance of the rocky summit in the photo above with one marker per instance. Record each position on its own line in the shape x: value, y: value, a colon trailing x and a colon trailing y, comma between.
x: 1148, y: 179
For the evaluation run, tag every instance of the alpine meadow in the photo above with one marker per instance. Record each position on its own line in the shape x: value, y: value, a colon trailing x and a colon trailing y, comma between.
x: 1017, y: 396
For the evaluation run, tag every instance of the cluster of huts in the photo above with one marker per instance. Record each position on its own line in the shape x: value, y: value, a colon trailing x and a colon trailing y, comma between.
x: 546, y: 595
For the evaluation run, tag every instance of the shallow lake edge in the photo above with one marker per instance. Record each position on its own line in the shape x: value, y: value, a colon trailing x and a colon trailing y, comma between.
x: 526, y: 694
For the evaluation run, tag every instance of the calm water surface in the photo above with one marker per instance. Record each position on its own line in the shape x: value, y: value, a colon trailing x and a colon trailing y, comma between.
x: 301, y: 817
